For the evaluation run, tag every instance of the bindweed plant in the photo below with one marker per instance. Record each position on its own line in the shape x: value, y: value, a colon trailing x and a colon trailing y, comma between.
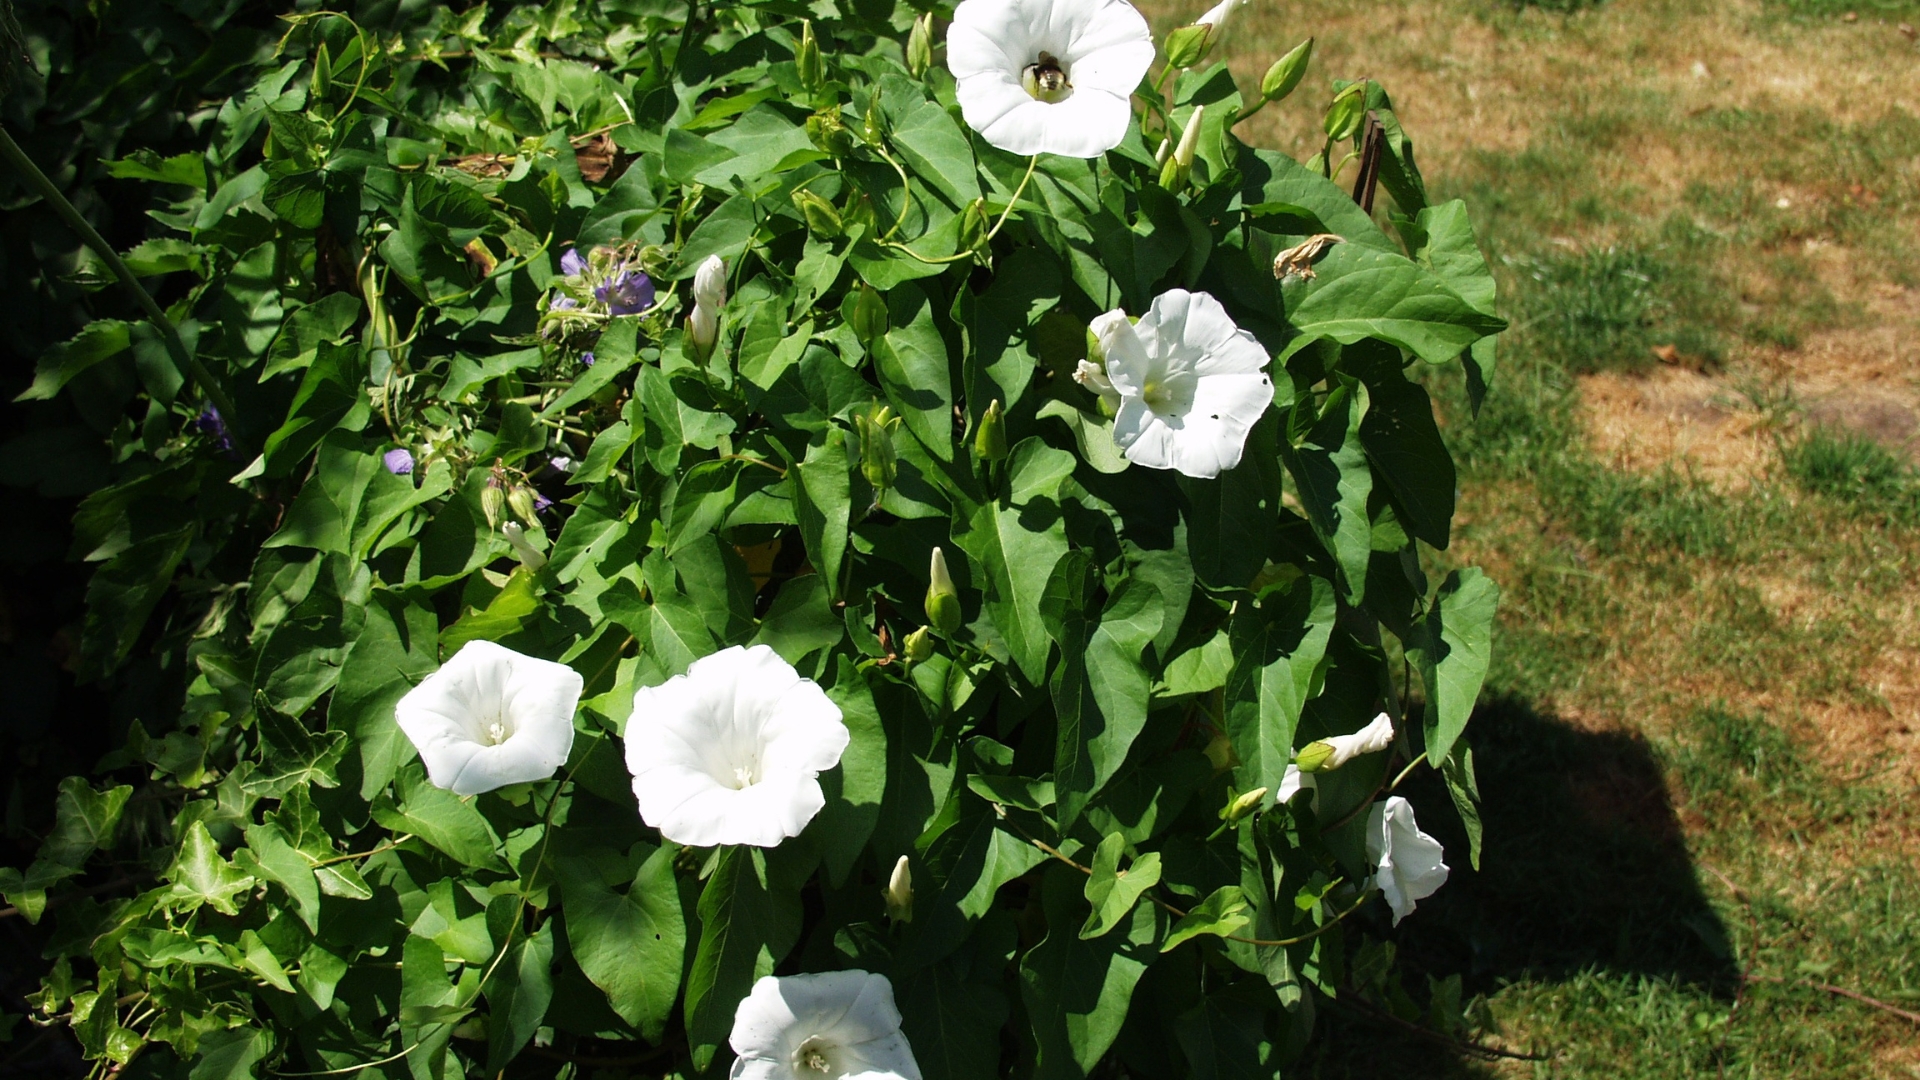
x: 768, y: 539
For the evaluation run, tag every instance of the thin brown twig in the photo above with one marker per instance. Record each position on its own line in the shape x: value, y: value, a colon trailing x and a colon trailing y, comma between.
x: 1839, y: 991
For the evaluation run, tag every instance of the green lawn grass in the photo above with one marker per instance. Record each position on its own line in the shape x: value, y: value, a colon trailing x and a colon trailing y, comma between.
x: 1685, y: 842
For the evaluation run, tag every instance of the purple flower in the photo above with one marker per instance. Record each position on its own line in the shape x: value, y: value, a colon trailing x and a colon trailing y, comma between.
x: 210, y: 423
x: 628, y: 292
x: 572, y: 263
x: 560, y: 301
x: 541, y: 503
x: 586, y: 359
x: 399, y: 462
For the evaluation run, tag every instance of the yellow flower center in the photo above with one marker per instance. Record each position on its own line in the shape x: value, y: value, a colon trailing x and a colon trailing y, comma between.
x: 1046, y: 80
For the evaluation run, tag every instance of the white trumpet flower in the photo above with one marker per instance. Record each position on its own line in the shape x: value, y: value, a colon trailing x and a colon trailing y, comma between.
x: 732, y: 751
x: 491, y: 717
x: 1325, y: 755
x: 1409, y: 861
x: 1049, y: 76
x: 1191, y: 383
x: 830, y: 1026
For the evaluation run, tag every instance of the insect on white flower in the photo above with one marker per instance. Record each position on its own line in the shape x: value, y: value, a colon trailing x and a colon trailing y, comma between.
x: 491, y: 717
x: 1049, y: 76
x: 1191, y: 383
x: 821, y: 1027
x: 1410, y: 862
x: 732, y: 751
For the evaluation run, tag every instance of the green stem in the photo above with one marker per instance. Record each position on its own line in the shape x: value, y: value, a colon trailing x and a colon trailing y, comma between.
x: 1261, y: 104
x: 189, y: 366
x: 991, y: 233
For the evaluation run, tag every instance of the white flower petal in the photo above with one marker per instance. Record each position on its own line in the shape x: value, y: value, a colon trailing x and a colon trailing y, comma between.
x: 1128, y: 365
x: 1293, y: 782
x: 1375, y: 737
x: 1192, y: 384
x: 491, y: 717
x: 1411, y: 866
x: 849, y: 1016
x: 1103, y: 46
x: 731, y: 752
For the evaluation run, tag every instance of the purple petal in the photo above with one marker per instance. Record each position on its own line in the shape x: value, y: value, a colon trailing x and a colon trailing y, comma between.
x: 586, y: 359
x: 561, y: 302
x: 629, y: 292
x: 398, y: 462
x: 572, y: 263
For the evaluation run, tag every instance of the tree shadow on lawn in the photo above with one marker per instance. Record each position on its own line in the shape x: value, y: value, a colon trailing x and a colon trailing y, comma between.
x: 1584, y: 868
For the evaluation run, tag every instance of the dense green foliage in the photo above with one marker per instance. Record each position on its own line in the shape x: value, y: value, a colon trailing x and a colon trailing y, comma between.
x: 366, y: 255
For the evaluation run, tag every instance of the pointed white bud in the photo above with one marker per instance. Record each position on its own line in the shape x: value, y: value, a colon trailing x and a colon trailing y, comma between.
x: 1183, y: 154
x: 710, y: 284
x: 899, y: 894
x: 528, y: 555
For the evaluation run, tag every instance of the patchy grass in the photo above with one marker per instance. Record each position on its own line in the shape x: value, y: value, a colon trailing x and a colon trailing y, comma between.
x: 1695, y: 483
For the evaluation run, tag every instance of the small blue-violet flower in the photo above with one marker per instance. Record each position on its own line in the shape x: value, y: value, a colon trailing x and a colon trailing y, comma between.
x: 399, y: 462
x: 572, y: 263
x: 560, y: 301
x: 627, y: 292
x: 586, y: 359
x: 210, y: 423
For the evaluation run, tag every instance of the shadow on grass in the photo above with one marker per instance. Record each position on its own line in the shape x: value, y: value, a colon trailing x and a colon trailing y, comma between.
x: 1584, y: 868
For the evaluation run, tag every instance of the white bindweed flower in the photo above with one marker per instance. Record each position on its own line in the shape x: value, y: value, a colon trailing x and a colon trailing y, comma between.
x: 838, y: 1024
x: 710, y: 284
x: 1327, y: 754
x: 732, y: 751
x: 1049, y: 76
x: 1094, y: 378
x: 1191, y: 383
x: 523, y: 548
x: 1293, y: 782
x: 491, y: 717
x: 1409, y: 861
x: 1216, y: 17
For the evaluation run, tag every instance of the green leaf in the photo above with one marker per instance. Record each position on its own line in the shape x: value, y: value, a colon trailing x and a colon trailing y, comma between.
x: 953, y: 1023
x: 929, y: 141
x: 277, y: 860
x: 506, y: 614
x: 1451, y: 648
x: 327, y: 319
x: 1330, y: 469
x: 97, y: 341
x: 1092, y: 433
x: 632, y: 946
x: 518, y: 995
x: 1225, y: 1036
x: 440, y: 818
x: 398, y: 646
x: 1279, y: 644
x: 328, y: 399
x: 1360, y: 292
x: 1464, y: 788
x: 912, y: 363
x: 201, y: 877
x: 958, y: 878
x: 83, y: 822
x: 854, y: 790
x: 1013, y: 552
x: 231, y: 1054
x: 1112, y: 891
x: 1403, y: 442
x: 822, y: 500
x: 748, y: 922
x: 1076, y: 990
x: 1222, y: 913
x: 294, y: 756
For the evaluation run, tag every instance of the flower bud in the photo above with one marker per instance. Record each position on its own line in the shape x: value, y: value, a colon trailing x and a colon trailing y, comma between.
x: 869, y: 317
x: 878, y: 461
x: 322, y: 72
x: 973, y: 226
x: 899, y: 892
x: 1346, y: 113
x: 710, y: 284
x: 990, y: 439
x: 520, y: 500
x: 493, y: 502
x: 1329, y: 754
x: 1219, y: 751
x: 1173, y: 174
x: 1286, y: 72
x: 1188, y: 45
x: 1243, y: 805
x: 873, y: 124
x: 1215, y: 19
x: 822, y: 219
x: 703, y: 329
x: 919, y: 645
x: 1314, y: 756
x: 920, y: 45
x: 807, y: 58
x: 829, y: 134
x: 943, y: 600
x: 528, y: 555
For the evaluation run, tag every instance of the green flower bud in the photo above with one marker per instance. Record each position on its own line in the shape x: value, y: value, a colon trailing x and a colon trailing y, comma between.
x: 822, y: 219
x: 869, y: 319
x: 1175, y: 170
x: 919, y: 645
x: 493, y: 502
x: 1314, y: 756
x: 1187, y: 46
x: 873, y: 123
x: 990, y: 438
x: 1346, y: 113
x: 322, y: 72
x: 1243, y: 805
x: 829, y: 134
x: 520, y: 499
x: 943, y: 600
x: 1286, y: 72
x: 807, y: 58
x: 920, y: 45
x: 878, y: 462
